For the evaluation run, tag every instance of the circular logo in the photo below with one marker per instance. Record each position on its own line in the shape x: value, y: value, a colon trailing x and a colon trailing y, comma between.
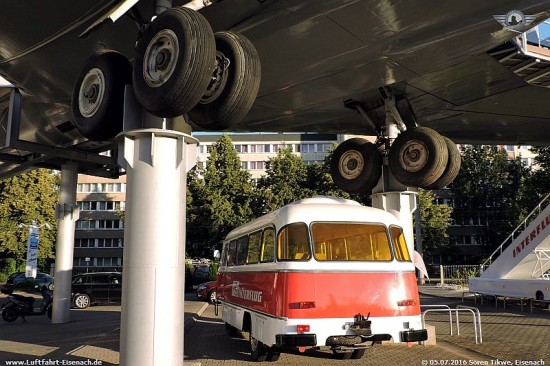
x: 514, y: 19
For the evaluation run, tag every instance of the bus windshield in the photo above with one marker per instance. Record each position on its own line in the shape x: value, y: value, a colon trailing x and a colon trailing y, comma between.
x: 350, y: 242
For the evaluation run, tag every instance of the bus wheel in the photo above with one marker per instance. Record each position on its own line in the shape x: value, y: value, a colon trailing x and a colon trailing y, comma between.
x: 358, y: 353
x: 258, y: 350
x: 342, y: 355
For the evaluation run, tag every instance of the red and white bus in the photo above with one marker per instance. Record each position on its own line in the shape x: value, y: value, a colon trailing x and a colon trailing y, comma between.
x: 319, y: 272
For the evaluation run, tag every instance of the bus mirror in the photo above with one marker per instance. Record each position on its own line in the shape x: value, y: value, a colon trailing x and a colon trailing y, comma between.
x: 217, y: 254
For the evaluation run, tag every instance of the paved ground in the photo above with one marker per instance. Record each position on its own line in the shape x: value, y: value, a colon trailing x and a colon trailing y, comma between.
x: 510, y: 335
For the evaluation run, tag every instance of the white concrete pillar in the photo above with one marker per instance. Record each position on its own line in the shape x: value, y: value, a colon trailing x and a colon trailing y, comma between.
x: 156, y: 162
x: 67, y: 214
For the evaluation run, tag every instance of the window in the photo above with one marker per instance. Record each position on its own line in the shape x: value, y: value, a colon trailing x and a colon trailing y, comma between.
x: 293, y: 243
x: 232, y: 253
x: 254, y: 247
x: 242, y: 249
x: 268, y: 245
x: 399, y: 244
x: 350, y: 242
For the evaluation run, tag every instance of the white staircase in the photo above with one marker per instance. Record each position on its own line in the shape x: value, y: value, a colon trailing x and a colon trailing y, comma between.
x: 525, y: 253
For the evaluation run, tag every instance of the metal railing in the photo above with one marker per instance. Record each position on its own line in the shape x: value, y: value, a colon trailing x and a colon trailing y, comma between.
x: 459, y: 309
x: 518, y: 230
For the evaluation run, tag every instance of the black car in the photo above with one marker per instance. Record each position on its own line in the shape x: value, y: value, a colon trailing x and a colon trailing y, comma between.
x: 96, y: 288
x: 18, y: 281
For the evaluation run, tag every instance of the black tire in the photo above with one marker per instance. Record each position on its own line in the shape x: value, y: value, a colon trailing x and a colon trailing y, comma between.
x: 342, y: 355
x: 258, y: 350
x: 211, y: 297
x: 51, y: 286
x: 358, y: 353
x: 9, y: 314
x: 418, y: 157
x: 82, y: 301
x: 273, y: 355
x: 452, y: 168
x: 174, y: 62
x: 231, y: 330
x: 356, y: 166
x: 98, y: 96
x: 540, y: 297
x: 234, y: 84
x: 49, y: 311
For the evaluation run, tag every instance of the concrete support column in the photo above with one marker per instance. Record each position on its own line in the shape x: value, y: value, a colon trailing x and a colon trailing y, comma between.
x: 401, y: 205
x: 154, y: 246
x: 67, y: 214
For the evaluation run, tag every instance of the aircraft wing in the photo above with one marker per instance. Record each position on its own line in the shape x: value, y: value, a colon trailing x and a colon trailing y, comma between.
x: 442, y: 61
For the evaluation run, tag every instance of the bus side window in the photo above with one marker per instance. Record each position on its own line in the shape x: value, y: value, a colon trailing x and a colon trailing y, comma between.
x: 254, y: 247
x: 223, y: 257
x: 293, y: 243
x: 399, y: 244
x: 242, y: 249
x: 268, y: 246
x: 232, y: 253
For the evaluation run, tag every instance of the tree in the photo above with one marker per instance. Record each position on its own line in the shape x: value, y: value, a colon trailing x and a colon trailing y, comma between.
x: 537, y: 184
x: 26, y: 198
x: 486, y: 193
x: 434, y: 221
x: 219, y: 197
x: 285, y: 180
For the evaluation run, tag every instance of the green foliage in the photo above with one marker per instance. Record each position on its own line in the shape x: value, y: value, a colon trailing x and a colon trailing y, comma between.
x: 434, y: 221
x: 214, y: 270
x: 219, y: 198
x: 487, y: 191
x: 26, y: 198
x: 462, y: 275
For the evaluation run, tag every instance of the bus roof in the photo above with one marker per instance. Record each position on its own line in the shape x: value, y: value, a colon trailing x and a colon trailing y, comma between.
x: 319, y: 208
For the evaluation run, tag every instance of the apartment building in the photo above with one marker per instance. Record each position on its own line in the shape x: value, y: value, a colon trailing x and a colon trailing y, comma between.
x: 99, y: 232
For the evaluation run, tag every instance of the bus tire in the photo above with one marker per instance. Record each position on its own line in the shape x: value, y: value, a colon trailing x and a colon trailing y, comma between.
x: 358, y: 353
x: 342, y: 355
x: 258, y: 350
x: 273, y: 355
x: 231, y: 330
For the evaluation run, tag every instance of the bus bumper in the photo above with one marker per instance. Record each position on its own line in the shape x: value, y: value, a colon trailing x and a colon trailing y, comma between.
x: 417, y: 335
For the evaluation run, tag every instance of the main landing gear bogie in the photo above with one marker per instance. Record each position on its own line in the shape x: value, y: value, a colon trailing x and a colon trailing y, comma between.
x: 419, y: 157
x: 180, y: 68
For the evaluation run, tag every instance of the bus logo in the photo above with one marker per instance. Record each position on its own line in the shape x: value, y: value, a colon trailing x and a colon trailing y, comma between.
x: 245, y: 294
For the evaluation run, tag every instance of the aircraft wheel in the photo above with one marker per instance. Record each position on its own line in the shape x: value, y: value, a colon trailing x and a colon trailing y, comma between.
x: 418, y: 157
x: 233, y: 86
x: 452, y: 168
x: 174, y: 62
x: 98, y: 96
x: 356, y: 166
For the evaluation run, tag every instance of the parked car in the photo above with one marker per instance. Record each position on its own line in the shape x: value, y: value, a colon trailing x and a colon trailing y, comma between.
x: 96, y: 288
x: 18, y: 281
x: 207, y: 291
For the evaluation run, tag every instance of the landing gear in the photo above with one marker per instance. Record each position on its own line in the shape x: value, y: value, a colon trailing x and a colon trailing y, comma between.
x: 98, y: 96
x: 233, y: 86
x: 174, y: 62
x: 418, y: 157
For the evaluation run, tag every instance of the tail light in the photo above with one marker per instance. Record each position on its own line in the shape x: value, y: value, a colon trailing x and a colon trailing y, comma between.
x: 302, y: 328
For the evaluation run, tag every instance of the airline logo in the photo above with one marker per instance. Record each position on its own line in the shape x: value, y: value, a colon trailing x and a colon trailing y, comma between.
x: 245, y: 294
x: 515, y: 21
x: 542, y: 225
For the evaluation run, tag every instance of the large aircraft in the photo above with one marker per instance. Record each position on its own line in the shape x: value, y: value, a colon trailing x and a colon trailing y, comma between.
x: 430, y: 70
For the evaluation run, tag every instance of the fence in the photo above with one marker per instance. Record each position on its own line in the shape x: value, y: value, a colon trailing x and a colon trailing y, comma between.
x: 457, y: 275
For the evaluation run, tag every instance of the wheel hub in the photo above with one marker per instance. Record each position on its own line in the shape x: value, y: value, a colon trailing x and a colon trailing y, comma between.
x: 218, y: 80
x: 160, y: 58
x: 414, y: 156
x: 91, y: 92
x: 351, y: 164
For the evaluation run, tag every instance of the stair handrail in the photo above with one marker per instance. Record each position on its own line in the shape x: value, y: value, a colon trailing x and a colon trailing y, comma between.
x: 522, y: 226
